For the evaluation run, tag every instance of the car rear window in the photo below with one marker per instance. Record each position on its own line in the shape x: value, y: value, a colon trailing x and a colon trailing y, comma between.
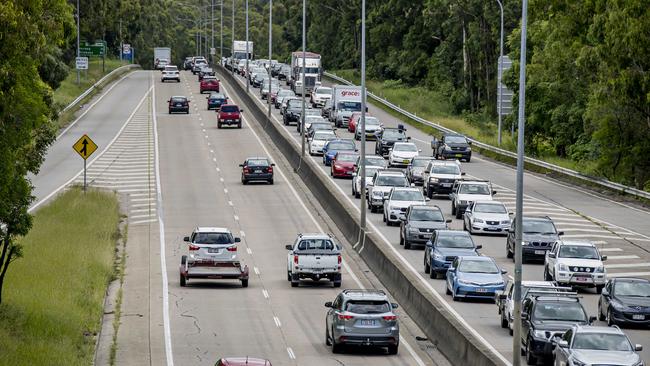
x: 316, y: 244
x: 341, y: 145
x: 347, y: 157
x: 212, y: 238
x: 178, y: 100
x: 171, y: 68
x: 230, y: 108
x: 367, y: 307
x: 258, y: 162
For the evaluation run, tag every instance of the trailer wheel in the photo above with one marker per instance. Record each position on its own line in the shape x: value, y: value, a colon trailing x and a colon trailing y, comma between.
x: 183, y: 281
x: 244, y: 283
x: 183, y: 260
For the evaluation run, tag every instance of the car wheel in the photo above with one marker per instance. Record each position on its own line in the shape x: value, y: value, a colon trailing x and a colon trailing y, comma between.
x: 289, y: 276
x: 427, y: 266
x: 458, y: 214
x: 447, y: 290
x: 599, y: 288
x: 453, y: 209
x: 601, y: 317
x: 547, y: 276
x: 530, y: 358
x: 337, y: 284
x: 244, y: 283
x: 372, y: 209
x: 392, y: 349
x: 384, y: 217
x: 244, y: 181
x: 509, y: 254
x: 504, y: 321
x: 336, y: 348
x: 609, y: 318
x: 429, y: 193
x: 407, y: 244
x: 219, y: 125
x: 327, y: 336
x: 401, y: 240
x: 271, y: 181
x: 433, y: 274
x: 182, y: 280
x: 468, y: 159
x: 465, y: 226
x: 239, y: 125
x: 454, y: 297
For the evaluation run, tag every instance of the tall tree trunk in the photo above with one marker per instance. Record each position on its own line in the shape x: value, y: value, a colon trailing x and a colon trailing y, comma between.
x: 4, y: 264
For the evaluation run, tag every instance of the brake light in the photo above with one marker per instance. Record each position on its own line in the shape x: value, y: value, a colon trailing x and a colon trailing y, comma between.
x: 390, y: 317
x: 270, y: 169
x: 340, y: 259
x: 295, y: 259
x: 194, y: 247
x: 232, y: 248
x: 345, y: 317
x: 246, y: 170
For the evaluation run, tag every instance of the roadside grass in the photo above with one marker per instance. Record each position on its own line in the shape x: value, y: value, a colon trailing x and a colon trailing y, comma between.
x: 69, y: 90
x: 432, y: 106
x: 54, y: 295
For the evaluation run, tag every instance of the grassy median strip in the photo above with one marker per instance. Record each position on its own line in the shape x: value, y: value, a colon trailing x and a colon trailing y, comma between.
x: 54, y: 294
x: 69, y: 89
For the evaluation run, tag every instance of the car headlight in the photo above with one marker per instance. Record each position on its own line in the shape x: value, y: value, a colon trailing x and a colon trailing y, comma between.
x: 437, y: 256
x: 376, y: 194
x: 616, y: 305
x: 413, y: 230
x: 463, y: 202
x: 563, y: 267
x: 505, y: 222
x: 478, y: 221
x: 600, y: 269
x: 525, y: 243
x: 640, y: 363
x: 463, y: 282
x: 575, y: 362
x: 433, y: 180
x: 540, y: 333
x: 446, y: 147
x: 468, y: 149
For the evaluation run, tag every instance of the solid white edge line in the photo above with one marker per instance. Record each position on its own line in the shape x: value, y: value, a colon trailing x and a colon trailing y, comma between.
x: 161, y: 228
x: 99, y: 155
x: 415, y: 356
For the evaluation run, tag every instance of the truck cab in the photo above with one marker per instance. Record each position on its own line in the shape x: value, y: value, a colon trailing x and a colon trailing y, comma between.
x: 312, y: 72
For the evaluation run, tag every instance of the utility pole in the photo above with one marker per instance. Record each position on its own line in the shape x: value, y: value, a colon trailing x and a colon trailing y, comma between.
x: 212, y: 29
x: 304, y: 47
x: 519, y: 204
x: 362, y: 167
x: 500, y: 72
x: 246, y: 73
x: 221, y: 34
x: 78, y: 34
x: 121, y: 42
x: 268, y: 96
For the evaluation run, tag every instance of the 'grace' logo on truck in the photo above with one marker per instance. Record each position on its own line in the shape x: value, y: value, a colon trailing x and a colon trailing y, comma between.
x: 353, y: 93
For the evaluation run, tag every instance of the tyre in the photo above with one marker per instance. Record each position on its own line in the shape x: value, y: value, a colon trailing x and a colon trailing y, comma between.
x: 427, y: 267
x: 433, y: 274
x: 219, y: 125
x: 357, y: 195
x: 183, y: 260
x: 599, y: 288
x: 465, y: 226
x: 244, y: 283
x: 239, y: 125
x: 182, y: 280
x: 601, y: 317
x: 372, y: 208
x: 407, y: 244
x: 288, y: 276
x: 336, y: 348
x: 447, y: 291
x: 429, y: 193
x: 458, y: 214
x: 547, y: 276
x: 244, y: 181
x: 530, y: 358
x: 327, y: 336
x: 504, y: 320
x: 392, y: 349
x: 509, y: 254
x: 271, y: 181
x: 384, y: 217
x: 468, y: 159
x: 454, y: 297
x: 337, y: 284
x: 609, y: 318
x: 401, y: 240
x: 453, y: 209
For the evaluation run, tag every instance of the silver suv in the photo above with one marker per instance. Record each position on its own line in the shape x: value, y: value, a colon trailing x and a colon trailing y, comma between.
x: 363, y: 318
x: 591, y: 345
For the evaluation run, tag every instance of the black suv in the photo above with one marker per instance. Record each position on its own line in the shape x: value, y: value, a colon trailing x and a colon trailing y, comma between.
x: 419, y: 223
x: 293, y: 111
x: 538, y: 236
x: 546, y: 317
x: 452, y: 146
x: 387, y: 137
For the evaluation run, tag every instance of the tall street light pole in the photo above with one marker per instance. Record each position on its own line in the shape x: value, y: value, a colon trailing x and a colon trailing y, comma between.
x: 304, y: 56
x: 78, y: 35
x: 268, y: 96
x: 516, y: 338
x: 221, y: 34
x: 232, y: 43
x: 212, y: 29
x: 500, y: 73
x: 246, y: 73
x: 362, y: 168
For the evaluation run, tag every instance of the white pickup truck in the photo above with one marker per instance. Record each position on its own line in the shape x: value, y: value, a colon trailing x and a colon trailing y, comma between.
x: 314, y: 256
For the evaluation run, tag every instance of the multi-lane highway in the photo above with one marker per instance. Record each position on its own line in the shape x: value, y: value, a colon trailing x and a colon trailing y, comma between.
x: 619, y: 229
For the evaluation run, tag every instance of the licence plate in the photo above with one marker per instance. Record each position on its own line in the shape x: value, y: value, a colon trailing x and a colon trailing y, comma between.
x: 258, y: 171
x: 481, y: 290
x: 638, y: 317
x: 179, y: 105
x: 406, y: 161
x: 458, y: 155
x: 446, y: 184
x: 214, y: 250
x: 367, y: 322
x: 540, y: 252
x: 493, y: 229
x: 581, y: 279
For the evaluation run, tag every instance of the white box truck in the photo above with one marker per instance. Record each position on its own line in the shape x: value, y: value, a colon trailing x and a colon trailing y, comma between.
x: 239, y: 52
x: 345, y: 101
x: 162, y: 56
x: 313, y: 72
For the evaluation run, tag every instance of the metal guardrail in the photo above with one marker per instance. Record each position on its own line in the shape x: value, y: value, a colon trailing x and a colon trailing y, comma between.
x: 623, y: 189
x: 97, y: 84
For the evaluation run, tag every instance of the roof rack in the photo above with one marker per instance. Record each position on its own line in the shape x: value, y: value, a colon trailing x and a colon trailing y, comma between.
x: 368, y: 291
x: 554, y: 295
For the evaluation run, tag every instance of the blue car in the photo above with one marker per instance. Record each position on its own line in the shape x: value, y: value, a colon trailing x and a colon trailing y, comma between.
x: 445, y: 246
x: 334, y: 146
x: 474, y: 277
x: 215, y: 100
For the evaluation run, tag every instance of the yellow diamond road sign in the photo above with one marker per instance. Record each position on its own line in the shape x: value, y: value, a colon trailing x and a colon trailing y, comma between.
x: 85, y: 147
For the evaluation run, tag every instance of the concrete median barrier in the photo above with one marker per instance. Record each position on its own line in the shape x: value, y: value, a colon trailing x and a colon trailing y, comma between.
x: 454, y: 339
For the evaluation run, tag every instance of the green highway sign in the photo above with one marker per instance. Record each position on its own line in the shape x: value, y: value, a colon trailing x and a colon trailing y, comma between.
x: 92, y: 50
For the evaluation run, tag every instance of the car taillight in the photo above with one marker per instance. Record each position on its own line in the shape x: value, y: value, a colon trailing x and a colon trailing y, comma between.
x: 194, y: 247
x: 246, y: 170
x: 340, y: 259
x: 270, y: 169
x: 390, y: 317
x: 232, y: 248
x: 295, y: 259
x: 345, y: 317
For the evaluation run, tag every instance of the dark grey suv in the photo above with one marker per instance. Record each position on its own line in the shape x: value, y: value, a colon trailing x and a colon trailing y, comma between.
x: 538, y: 236
x: 419, y: 223
x: 362, y: 318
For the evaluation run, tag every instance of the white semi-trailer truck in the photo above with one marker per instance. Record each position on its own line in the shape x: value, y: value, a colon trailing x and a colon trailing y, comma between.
x: 313, y: 72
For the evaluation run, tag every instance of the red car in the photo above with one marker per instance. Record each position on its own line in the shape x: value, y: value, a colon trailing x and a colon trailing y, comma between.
x: 229, y: 114
x: 355, y: 119
x: 343, y: 165
x: 242, y: 361
x: 209, y: 84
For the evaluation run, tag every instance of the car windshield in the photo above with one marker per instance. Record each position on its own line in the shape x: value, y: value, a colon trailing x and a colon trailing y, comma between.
x: 538, y: 227
x: 393, y: 134
x: 419, y: 162
x: 212, y: 238
x: 321, y: 126
x: 445, y: 169
x: 350, y: 106
x: 346, y: 157
x: 229, y: 108
x: 324, y: 91
x: 636, y: 289
x: 601, y: 342
x: 376, y: 161
x: 474, y: 189
x: 294, y: 103
x: 316, y: 244
x: 285, y: 92
x: 324, y: 135
x: 455, y: 241
x: 473, y: 266
x: 371, y: 121
x: 490, y: 208
x: 456, y: 139
x: 391, y: 181
x: 367, y: 307
x: 407, y: 196
x: 340, y: 145
x: 563, y: 311
x: 312, y: 112
x: 426, y: 215
x: 405, y: 147
x: 371, y: 171
x: 578, y: 251
x: 258, y: 162
x: 313, y: 119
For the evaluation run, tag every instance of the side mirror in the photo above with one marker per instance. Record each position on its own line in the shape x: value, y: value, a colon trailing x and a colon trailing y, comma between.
x: 241, y: 111
x: 494, y: 192
x: 427, y: 171
x: 289, y: 247
x: 562, y: 343
x: 524, y: 316
x: 603, y: 258
x: 408, y: 138
x: 605, y: 292
x: 429, y: 244
x: 448, y: 221
x: 412, y: 184
x: 187, y: 239
x: 560, y: 233
x: 511, y: 213
x: 463, y: 173
x: 272, y: 164
x: 479, y: 246
x: 328, y: 304
x: 511, y: 230
x: 551, y: 255
x: 395, y: 306
x: 469, y: 142
x: 503, y: 271
x: 241, y: 165
x: 427, y: 199
x: 402, y: 218
x: 237, y: 240
x: 419, y: 150
x: 592, y: 319
x: 369, y: 184
x: 451, y: 269
x: 503, y: 296
x: 638, y: 347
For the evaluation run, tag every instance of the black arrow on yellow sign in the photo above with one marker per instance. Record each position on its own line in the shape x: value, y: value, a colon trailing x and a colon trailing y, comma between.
x: 85, y: 147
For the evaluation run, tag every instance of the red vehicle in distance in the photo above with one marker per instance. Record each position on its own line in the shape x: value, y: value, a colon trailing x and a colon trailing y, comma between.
x: 343, y: 165
x: 229, y: 114
x: 242, y: 361
x: 209, y: 84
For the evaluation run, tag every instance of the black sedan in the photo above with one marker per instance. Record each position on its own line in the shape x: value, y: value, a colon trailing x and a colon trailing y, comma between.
x: 179, y: 104
x: 257, y: 169
x: 625, y: 301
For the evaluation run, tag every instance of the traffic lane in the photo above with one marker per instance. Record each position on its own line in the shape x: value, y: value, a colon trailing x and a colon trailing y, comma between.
x: 209, y: 319
x: 101, y: 124
x: 495, y: 248
x: 581, y: 200
x: 267, y: 215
